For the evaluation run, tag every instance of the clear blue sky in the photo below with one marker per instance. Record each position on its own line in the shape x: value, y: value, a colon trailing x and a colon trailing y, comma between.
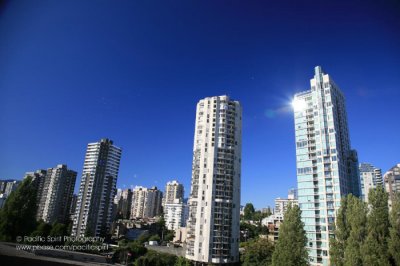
x: 72, y: 72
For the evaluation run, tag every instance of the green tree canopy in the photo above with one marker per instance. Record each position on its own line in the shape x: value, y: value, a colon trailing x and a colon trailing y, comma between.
x: 59, y: 229
x: 375, y: 248
x: 182, y: 261
x: 356, y: 217
x: 18, y: 215
x: 153, y: 258
x: 249, y: 211
x: 394, y: 240
x: 42, y: 229
x: 257, y: 252
x: 154, y: 238
x: 291, y: 247
x: 342, y: 231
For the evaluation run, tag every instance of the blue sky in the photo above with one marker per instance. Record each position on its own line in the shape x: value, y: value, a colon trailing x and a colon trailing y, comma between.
x: 72, y: 72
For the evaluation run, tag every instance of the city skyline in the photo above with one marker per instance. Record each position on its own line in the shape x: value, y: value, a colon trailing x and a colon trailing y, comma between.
x: 64, y: 85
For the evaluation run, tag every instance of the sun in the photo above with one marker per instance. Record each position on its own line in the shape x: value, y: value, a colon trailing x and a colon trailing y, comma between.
x: 298, y: 104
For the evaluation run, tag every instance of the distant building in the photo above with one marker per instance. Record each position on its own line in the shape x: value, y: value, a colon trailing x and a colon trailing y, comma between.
x: 176, y: 214
x: 10, y: 186
x: 38, y: 180
x: 173, y: 191
x: 146, y: 202
x: 6, y: 188
x: 138, y: 200
x: 153, y: 202
x: 125, y: 203
x: 392, y: 182
x: 94, y: 207
x: 56, y: 198
x: 281, y: 205
x: 370, y: 177
x: 241, y: 210
x: 266, y: 210
x: 273, y: 223
x: 2, y: 200
x: 292, y: 194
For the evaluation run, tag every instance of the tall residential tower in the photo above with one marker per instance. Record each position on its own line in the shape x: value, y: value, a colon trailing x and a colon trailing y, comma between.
x: 56, y: 196
x: 94, y: 206
x: 213, y: 223
x: 327, y: 167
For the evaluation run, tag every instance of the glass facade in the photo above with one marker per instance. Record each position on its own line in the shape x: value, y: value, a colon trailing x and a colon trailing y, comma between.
x: 327, y: 168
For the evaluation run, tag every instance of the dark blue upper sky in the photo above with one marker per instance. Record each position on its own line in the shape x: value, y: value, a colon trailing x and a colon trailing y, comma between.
x: 72, y: 72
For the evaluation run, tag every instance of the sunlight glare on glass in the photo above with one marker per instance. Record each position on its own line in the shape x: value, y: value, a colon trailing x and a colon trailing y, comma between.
x: 298, y: 105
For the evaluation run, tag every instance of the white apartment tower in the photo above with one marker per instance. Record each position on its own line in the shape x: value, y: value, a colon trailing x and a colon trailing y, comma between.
x: 370, y: 177
x: 173, y: 191
x: 146, y: 202
x: 327, y: 168
x: 213, y: 223
x: 56, y: 195
x: 138, y: 200
x: 94, y: 207
x: 175, y: 215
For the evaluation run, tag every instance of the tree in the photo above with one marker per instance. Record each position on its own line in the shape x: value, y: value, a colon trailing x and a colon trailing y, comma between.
x: 248, y: 231
x: 18, y: 215
x: 375, y: 248
x: 182, y: 261
x: 248, y: 211
x: 338, y: 243
x: 291, y: 247
x: 394, y: 231
x: 154, y: 258
x: 42, y: 229
x: 58, y: 229
x: 356, y: 219
x: 154, y: 238
x: 136, y: 249
x: 257, y: 252
x: 169, y: 236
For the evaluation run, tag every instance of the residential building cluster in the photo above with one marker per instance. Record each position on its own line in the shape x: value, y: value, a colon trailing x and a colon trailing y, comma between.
x: 327, y: 169
x: 274, y: 221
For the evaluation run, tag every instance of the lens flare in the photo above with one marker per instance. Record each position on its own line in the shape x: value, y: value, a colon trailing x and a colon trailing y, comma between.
x: 298, y: 105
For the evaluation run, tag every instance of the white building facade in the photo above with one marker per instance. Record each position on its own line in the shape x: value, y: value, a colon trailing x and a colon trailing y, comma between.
x: 370, y: 177
x: 327, y: 168
x: 281, y: 205
x: 175, y: 215
x: 173, y: 191
x: 94, y: 208
x: 214, y: 203
x: 146, y: 202
x: 56, y: 198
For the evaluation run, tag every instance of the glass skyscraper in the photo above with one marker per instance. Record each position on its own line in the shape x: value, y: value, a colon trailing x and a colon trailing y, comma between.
x: 327, y: 167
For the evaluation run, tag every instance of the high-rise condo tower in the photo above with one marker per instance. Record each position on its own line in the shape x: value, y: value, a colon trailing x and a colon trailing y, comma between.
x: 327, y: 167
x: 213, y: 223
x: 94, y: 207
